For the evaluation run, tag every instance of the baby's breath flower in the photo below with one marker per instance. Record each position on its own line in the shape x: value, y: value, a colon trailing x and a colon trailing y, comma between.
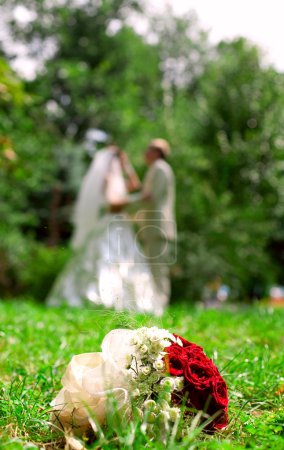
x: 136, y: 393
x: 179, y: 383
x: 128, y: 359
x: 168, y: 382
x: 157, y: 347
x: 159, y: 364
x: 165, y: 343
x: 164, y: 405
x: 139, y: 413
x: 136, y: 340
x: 151, y: 417
x: 150, y: 404
x: 143, y: 428
x: 145, y: 370
x: 163, y: 416
x: 166, y: 396
x: 151, y: 431
x: 174, y: 414
x: 143, y: 349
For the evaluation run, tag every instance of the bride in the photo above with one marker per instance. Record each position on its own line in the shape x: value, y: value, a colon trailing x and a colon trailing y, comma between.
x: 108, y: 267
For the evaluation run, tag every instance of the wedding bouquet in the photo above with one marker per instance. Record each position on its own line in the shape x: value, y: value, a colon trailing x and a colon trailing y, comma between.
x: 150, y: 373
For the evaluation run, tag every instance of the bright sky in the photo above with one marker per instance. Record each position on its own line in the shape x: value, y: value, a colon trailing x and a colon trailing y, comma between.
x: 261, y: 21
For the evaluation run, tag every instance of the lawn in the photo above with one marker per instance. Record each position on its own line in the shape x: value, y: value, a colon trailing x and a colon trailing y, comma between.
x: 246, y: 343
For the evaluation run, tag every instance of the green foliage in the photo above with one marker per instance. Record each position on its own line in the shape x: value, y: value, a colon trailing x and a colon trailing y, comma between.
x: 41, y: 266
x: 231, y: 208
x: 37, y: 344
x: 30, y: 162
x: 221, y: 110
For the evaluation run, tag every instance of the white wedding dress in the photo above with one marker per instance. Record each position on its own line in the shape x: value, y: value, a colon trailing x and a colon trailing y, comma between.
x: 108, y: 267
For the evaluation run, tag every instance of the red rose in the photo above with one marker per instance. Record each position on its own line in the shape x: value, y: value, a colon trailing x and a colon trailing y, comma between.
x: 203, y: 385
x: 193, y: 351
x: 219, y: 403
x: 221, y: 420
x: 220, y: 392
x: 187, y: 344
x: 199, y: 372
x: 177, y: 359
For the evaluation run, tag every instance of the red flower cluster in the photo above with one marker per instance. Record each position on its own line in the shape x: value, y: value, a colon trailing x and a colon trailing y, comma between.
x: 204, y: 387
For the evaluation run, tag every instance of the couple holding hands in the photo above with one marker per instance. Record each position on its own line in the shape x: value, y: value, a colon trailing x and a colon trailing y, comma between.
x: 122, y: 241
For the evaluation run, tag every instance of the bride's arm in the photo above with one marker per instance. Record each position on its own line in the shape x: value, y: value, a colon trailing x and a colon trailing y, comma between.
x: 132, y: 180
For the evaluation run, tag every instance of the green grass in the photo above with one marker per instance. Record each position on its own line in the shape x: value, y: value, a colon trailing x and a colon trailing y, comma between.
x: 36, y: 345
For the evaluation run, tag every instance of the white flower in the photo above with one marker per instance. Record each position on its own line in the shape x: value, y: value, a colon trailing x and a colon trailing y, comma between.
x: 157, y: 334
x: 143, y: 428
x: 150, y: 404
x: 128, y: 359
x: 164, y: 416
x: 157, y: 347
x: 118, y: 371
x: 166, y: 396
x: 159, y: 364
x: 174, y: 414
x: 151, y: 417
x: 179, y: 383
x: 164, y: 405
x: 168, y: 382
x: 139, y: 413
x: 145, y: 370
x: 116, y: 347
x: 136, y: 393
x: 87, y: 384
x: 144, y: 349
x: 136, y: 341
x: 165, y: 343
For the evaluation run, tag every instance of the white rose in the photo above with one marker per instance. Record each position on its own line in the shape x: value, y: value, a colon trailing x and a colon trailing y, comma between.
x: 87, y: 384
x: 90, y: 380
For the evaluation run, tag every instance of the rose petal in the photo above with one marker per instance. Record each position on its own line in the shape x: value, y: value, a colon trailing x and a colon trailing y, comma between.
x: 116, y: 347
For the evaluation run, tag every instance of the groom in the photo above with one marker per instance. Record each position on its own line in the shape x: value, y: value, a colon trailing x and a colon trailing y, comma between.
x: 156, y: 214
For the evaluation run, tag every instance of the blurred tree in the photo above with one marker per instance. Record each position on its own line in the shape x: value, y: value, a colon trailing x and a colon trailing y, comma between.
x: 28, y: 171
x: 233, y: 198
x: 220, y: 109
x: 95, y: 74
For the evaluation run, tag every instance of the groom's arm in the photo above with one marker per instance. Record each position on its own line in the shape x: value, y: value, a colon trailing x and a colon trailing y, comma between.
x: 152, y: 195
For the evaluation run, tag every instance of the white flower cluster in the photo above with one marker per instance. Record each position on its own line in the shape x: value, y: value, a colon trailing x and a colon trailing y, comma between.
x: 151, y: 387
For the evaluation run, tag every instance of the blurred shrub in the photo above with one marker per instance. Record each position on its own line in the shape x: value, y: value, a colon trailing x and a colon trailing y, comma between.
x: 42, y: 266
x: 27, y: 266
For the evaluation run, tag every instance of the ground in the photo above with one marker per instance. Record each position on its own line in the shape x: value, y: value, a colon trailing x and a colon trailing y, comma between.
x: 246, y: 343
